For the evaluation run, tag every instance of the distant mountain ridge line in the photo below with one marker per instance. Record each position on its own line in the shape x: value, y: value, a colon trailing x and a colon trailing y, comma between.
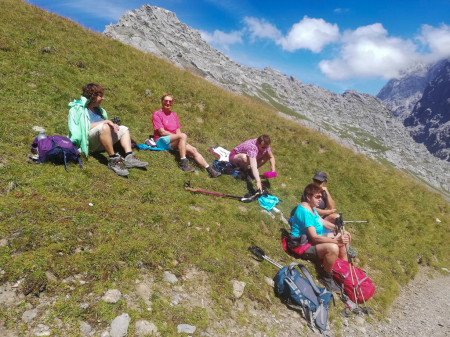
x: 359, y: 121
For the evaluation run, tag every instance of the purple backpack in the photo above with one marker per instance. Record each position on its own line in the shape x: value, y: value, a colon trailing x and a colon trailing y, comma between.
x: 56, y: 149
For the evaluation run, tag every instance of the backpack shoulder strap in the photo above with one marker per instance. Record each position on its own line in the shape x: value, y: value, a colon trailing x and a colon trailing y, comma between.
x: 307, y: 275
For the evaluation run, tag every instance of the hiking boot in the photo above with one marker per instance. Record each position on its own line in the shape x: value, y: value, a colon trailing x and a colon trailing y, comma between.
x: 351, y: 252
x: 184, y: 166
x: 116, y: 164
x: 212, y: 172
x: 327, y: 280
x: 131, y: 161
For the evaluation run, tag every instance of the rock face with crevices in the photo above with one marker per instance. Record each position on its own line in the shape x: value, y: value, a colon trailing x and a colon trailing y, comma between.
x: 359, y: 121
x: 420, y: 97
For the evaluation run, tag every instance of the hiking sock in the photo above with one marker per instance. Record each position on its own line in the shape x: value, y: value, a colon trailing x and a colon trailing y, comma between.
x: 206, y: 166
x: 126, y: 154
x: 115, y: 155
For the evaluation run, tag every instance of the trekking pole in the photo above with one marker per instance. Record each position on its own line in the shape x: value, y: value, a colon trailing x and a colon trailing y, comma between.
x: 366, y: 309
x: 187, y: 187
x: 353, y: 221
x: 259, y: 253
x: 340, y: 226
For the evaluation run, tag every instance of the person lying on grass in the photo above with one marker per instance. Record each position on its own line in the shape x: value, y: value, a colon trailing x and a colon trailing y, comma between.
x: 168, y: 136
x: 91, y: 131
x: 254, y: 153
x: 308, y: 239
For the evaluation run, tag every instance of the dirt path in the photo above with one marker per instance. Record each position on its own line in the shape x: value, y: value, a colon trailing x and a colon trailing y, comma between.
x: 422, y: 309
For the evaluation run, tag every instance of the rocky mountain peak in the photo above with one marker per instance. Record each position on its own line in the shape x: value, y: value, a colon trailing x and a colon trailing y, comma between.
x: 359, y: 121
x: 420, y: 98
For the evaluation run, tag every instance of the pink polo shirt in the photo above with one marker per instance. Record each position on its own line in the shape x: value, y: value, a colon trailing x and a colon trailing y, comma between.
x: 168, y: 122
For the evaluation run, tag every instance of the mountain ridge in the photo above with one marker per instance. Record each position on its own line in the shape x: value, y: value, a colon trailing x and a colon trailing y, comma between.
x: 359, y: 121
x: 419, y: 98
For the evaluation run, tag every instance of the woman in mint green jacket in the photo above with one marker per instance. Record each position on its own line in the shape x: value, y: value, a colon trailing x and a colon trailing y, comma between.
x: 91, y: 131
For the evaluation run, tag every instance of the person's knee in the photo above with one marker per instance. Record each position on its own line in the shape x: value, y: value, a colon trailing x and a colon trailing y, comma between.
x: 331, y: 249
x: 106, y: 129
x: 183, y: 137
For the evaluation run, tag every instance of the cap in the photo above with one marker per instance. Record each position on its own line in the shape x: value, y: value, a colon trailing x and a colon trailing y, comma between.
x: 320, y: 176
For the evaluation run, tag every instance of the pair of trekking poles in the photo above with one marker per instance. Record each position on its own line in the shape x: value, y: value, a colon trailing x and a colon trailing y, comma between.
x: 352, y: 306
x: 244, y: 199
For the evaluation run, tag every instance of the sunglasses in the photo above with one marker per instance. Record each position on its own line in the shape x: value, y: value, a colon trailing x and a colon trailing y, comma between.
x: 318, y: 196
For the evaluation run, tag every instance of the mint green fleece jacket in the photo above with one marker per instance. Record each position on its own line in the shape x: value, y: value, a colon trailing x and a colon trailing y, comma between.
x: 80, y: 123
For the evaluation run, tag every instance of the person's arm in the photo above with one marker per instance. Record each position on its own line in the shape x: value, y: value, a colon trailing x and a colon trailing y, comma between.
x: 113, y: 126
x: 163, y: 132
x: 316, y: 239
x: 323, y: 212
x: 254, y: 168
x: 330, y: 202
x: 328, y: 225
x: 272, y: 161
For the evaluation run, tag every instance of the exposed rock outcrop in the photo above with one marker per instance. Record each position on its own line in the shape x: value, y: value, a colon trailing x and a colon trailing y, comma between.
x: 420, y: 98
x: 359, y: 121
x: 429, y: 122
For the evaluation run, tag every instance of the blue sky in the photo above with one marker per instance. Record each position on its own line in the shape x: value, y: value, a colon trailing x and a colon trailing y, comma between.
x: 337, y: 45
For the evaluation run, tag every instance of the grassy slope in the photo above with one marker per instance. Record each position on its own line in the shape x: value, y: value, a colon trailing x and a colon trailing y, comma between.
x: 149, y: 220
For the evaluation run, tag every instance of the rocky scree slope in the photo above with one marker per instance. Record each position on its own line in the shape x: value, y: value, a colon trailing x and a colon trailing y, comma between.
x: 359, y: 121
x: 420, y: 98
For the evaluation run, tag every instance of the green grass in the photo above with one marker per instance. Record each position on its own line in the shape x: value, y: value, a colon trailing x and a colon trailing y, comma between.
x: 147, y: 223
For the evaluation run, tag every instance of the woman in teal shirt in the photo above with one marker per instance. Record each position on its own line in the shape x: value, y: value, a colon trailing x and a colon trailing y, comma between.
x: 309, y: 241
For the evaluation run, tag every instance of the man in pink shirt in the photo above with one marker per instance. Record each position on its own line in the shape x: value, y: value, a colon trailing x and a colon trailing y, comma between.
x: 168, y: 136
x: 254, y: 153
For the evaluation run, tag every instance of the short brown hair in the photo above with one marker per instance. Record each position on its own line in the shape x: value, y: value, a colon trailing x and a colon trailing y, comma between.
x: 165, y: 95
x: 265, y: 139
x: 312, y: 189
x: 92, y: 90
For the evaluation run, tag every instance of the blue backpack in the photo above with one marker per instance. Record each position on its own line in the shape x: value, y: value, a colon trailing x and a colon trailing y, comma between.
x: 297, y: 290
x: 225, y: 167
x: 55, y: 149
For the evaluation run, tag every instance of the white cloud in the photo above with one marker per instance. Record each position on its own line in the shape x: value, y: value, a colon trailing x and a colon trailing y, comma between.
x: 368, y: 51
x: 260, y: 28
x: 222, y: 39
x: 312, y: 34
x: 437, y: 39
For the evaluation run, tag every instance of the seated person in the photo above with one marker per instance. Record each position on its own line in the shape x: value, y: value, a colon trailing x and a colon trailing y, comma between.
x: 90, y: 131
x: 326, y: 207
x: 308, y: 239
x: 168, y: 136
x: 254, y: 153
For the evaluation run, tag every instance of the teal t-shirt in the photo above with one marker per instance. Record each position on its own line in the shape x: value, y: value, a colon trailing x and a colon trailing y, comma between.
x: 303, y: 219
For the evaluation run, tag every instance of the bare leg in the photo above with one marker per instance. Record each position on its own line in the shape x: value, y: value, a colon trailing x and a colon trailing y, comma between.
x: 106, y: 139
x: 241, y: 160
x: 179, y: 141
x: 125, y: 141
x: 192, y: 151
x: 332, y: 217
x: 328, y: 254
x: 261, y: 161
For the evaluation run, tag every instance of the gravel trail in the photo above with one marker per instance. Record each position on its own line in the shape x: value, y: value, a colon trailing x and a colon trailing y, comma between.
x: 422, y: 309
